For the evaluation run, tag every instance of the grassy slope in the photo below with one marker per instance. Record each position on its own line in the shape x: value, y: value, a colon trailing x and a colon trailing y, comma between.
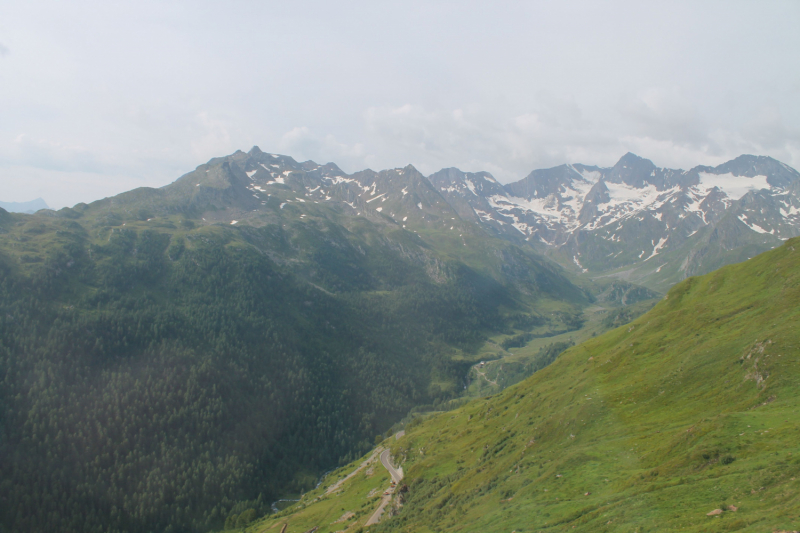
x: 360, y: 495
x: 503, y: 368
x: 646, y: 428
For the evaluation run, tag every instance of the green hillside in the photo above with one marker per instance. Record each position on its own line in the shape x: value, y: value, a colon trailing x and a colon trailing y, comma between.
x: 690, y: 409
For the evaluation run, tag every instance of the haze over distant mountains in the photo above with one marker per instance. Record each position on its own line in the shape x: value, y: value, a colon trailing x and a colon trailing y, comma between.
x: 24, y: 207
x: 633, y: 221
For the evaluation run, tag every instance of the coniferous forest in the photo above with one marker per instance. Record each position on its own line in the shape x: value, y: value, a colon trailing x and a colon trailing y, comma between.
x: 165, y: 379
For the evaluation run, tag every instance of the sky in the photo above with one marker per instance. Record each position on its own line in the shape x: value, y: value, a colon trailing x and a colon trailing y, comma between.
x: 97, y: 98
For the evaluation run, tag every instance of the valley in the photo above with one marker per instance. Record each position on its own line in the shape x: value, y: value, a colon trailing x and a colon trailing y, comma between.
x: 501, y: 367
x: 685, y: 419
x: 224, y: 340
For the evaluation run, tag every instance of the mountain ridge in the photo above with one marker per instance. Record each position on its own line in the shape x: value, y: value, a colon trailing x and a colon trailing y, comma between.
x: 29, y: 207
x: 632, y: 221
x: 589, y: 217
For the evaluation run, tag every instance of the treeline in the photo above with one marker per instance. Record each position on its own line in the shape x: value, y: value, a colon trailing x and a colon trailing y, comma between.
x: 155, y: 383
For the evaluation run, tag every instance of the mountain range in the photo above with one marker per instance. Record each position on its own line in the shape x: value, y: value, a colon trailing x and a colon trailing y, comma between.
x: 24, y: 207
x: 633, y: 221
x: 172, y: 357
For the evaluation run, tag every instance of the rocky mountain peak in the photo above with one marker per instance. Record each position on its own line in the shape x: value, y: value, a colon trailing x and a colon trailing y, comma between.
x: 633, y: 170
x: 634, y: 219
x: 637, y: 216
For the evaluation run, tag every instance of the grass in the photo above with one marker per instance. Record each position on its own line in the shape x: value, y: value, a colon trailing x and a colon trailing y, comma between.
x: 692, y: 407
x: 504, y: 368
x: 349, y: 506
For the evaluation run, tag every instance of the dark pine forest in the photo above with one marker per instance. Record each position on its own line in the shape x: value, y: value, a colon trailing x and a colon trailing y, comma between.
x: 163, y: 380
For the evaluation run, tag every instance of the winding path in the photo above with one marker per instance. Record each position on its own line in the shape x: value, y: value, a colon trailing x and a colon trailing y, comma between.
x: 397, y: 474
x: 397, y: 477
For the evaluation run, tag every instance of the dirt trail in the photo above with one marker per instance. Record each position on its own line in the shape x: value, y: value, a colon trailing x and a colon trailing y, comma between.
x: 483, y: 375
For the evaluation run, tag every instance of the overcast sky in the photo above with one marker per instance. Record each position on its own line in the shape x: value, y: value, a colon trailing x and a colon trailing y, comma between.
x: 100, y: 97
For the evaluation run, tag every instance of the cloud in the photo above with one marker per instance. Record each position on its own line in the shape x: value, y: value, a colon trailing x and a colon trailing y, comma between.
x: 770, y: 131
x: 49, y: 154
x: 702, y: 85
x: 666, y: 114
x: 210, y: 137
x: 659, y: 124
x: 302, y: 143
x: 478, y: 138
x: 61, y: 188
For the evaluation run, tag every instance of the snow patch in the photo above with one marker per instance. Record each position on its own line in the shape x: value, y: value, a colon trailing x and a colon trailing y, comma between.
x: 753, y: 226
x: 791, y: 212
x: 575, y: 260
x: 470, y: 186
x: 340, y: 179
x: 486, y: 217
x: 555, y: 211
x: 733, y: 186
x: 661, y: 242
x: 592, y: 176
